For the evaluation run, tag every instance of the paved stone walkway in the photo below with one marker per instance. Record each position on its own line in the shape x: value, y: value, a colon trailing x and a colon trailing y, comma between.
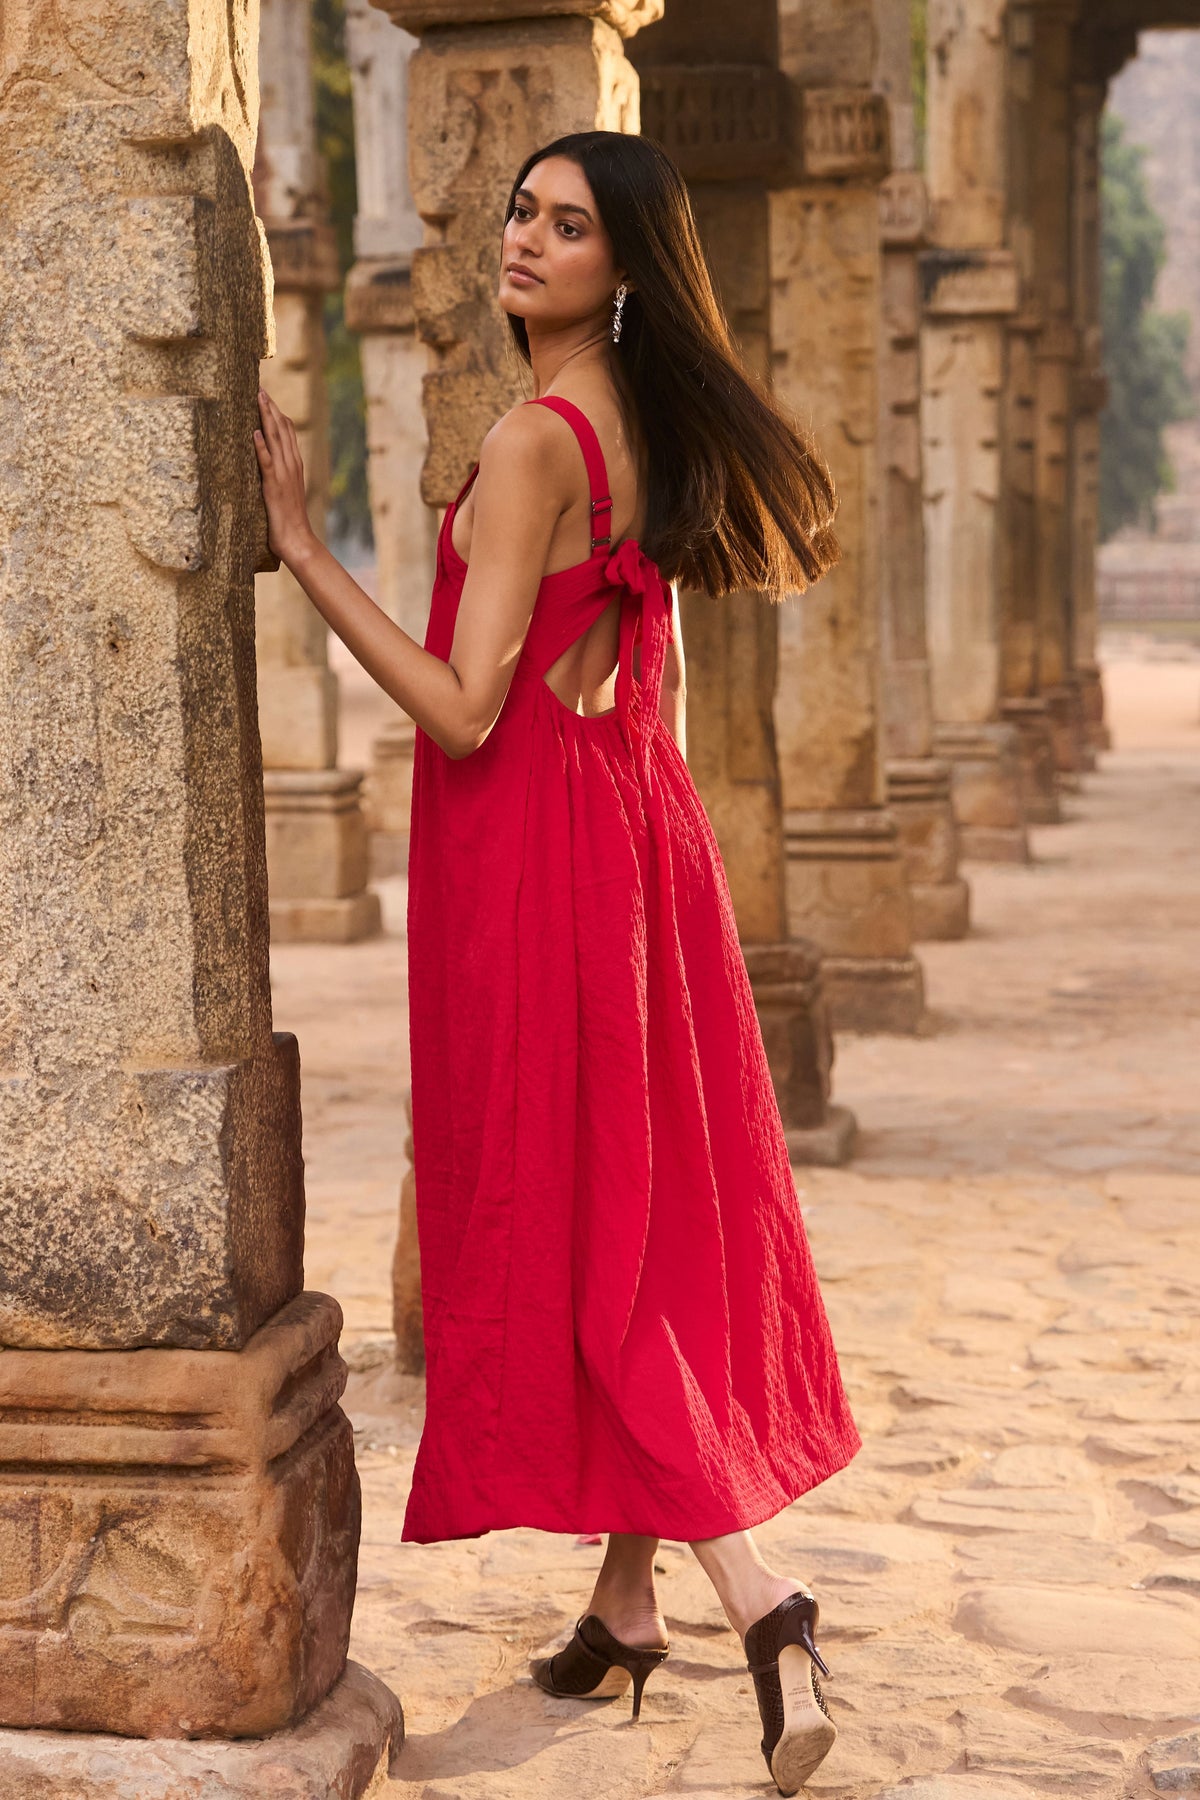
x: 1010, y: 1571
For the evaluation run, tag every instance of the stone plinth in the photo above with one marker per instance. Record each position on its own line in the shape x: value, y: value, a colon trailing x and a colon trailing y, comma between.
x: 1036, y: 761
x: 848, y: 890
x: 986, y: 790
x: 179, y: 1532
x: 297, y: 688
x: 317, y: 847
x: 793, y: 1012
x: 919, y: 800
x: 343, y: 1750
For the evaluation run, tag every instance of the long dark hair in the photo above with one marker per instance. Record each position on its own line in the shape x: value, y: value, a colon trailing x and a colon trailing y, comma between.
x: 738, y: 497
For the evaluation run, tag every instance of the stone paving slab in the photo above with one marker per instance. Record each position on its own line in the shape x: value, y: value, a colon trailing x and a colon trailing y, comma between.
x: 1009, y: 1572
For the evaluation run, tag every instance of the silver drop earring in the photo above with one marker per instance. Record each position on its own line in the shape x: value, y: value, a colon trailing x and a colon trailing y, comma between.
x: 617, y: 310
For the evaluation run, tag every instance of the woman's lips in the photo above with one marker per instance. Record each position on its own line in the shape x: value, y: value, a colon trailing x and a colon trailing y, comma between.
x: 523, y: 278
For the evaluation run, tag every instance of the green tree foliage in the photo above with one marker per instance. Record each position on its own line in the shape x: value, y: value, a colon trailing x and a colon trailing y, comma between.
x: 1143, y: 350
x: 349, y: 509
x: 920, y: 39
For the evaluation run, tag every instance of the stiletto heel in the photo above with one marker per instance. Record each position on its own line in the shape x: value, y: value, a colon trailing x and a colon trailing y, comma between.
x: 782, y: 1656
x: 596, y: 1666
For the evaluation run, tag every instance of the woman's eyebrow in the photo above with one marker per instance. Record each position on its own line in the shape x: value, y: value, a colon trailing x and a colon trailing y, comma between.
x: 560, y: 206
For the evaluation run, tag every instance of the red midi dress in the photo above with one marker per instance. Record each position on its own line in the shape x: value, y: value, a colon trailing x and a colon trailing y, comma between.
x: 623, y: 1327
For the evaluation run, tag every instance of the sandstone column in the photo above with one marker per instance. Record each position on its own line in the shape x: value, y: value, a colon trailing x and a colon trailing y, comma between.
x: 488, y: 83
x: 970, y: 283
x: 1044, y: 245
x: 1090, y: 399
x: 316, y: 833
x: 725, y: 127
x: 178, y: 1500
x: 847, y: 886
x: 918, y: 782
x: 394, y: 360
x: 1023, y: 596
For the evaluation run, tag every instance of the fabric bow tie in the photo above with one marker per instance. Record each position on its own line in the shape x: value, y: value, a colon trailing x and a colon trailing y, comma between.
x: 645, y: 599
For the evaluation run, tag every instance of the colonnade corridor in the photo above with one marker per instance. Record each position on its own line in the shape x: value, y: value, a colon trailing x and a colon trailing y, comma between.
x: 1009, y: 1571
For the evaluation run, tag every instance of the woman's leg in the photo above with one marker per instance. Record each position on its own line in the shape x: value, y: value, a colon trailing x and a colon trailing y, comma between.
x: 746, y: 1587
x: 624, y: 1597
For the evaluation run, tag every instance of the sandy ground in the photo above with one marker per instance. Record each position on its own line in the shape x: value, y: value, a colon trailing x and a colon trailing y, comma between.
x: 1009, y: 1573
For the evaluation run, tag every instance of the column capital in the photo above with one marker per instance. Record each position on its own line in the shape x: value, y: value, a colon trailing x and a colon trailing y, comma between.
x: 625, y: 16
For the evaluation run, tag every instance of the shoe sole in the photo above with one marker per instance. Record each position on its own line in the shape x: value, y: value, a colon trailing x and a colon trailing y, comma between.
x: 807, y: 1736
x: 613, y: 1683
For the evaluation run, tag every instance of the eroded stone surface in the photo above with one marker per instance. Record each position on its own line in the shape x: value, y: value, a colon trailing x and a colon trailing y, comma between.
x: 149, y: 1133
x: 178, y: 1532
x: 341, y: 1751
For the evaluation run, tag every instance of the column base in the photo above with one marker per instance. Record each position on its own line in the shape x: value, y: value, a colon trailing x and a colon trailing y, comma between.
x: 1091, y: 687
x: 825, y: 1146
x: 345, y: 1747
x: 918, y: 792
x: 787, y: 981
x: 847, y: 892
x: 1073, y: 755
x: 180, y: 1529
x: 326, y: 921
x: 317, y: 857
x: 408, y: 1321
x: 1036, y: 760
x: 387, y: 796
x: 986, y: 791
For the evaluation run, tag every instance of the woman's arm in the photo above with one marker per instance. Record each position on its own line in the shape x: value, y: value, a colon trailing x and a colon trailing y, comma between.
x: 672, y: 705
x: 519, y: 492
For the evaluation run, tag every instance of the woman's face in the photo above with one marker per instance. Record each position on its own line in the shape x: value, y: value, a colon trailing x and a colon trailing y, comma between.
x: 556, y: 234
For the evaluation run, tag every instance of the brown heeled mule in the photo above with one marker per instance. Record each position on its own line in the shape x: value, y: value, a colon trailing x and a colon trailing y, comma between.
x: 597, y: 1666
x: 783, y: 1659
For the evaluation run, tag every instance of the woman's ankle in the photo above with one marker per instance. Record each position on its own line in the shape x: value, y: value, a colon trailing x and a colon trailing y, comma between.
x: 630, y: 1610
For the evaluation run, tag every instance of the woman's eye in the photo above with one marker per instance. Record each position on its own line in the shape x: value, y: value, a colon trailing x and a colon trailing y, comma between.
x: 573, y: 229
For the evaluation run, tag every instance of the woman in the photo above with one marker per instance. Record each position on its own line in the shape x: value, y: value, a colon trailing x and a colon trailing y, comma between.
x: 623, y: 1327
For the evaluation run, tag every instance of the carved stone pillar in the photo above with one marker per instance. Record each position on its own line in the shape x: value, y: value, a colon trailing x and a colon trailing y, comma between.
x: 178, y: 1500
x: 721, y: 116
x: 1021, y: 549
x: 1089, y: 400
x: 379, y: 307
x: 970, y: 286
x: 918, y: 782
x: 846, y: 879
x: 486, y: 86
x: 316, y: 833
x: 1043, y: 242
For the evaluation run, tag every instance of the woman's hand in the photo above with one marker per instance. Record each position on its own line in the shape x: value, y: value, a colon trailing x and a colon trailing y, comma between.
x: 288, y: 530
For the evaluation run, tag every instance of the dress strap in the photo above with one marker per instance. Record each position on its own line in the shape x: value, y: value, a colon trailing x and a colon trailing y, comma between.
x: 593, y: 458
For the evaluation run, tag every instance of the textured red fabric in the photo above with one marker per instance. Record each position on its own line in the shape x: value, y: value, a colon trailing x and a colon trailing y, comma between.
x: 622, y: 1321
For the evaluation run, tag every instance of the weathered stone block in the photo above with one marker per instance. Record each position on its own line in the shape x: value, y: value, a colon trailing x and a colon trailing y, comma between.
x: 178, y: 1533
x: 843, y: 134
x: 152, y: 1206
x: 343, y: 1750
x: 730, y: 122
x: 316, y: 834
x: 625, y: 16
